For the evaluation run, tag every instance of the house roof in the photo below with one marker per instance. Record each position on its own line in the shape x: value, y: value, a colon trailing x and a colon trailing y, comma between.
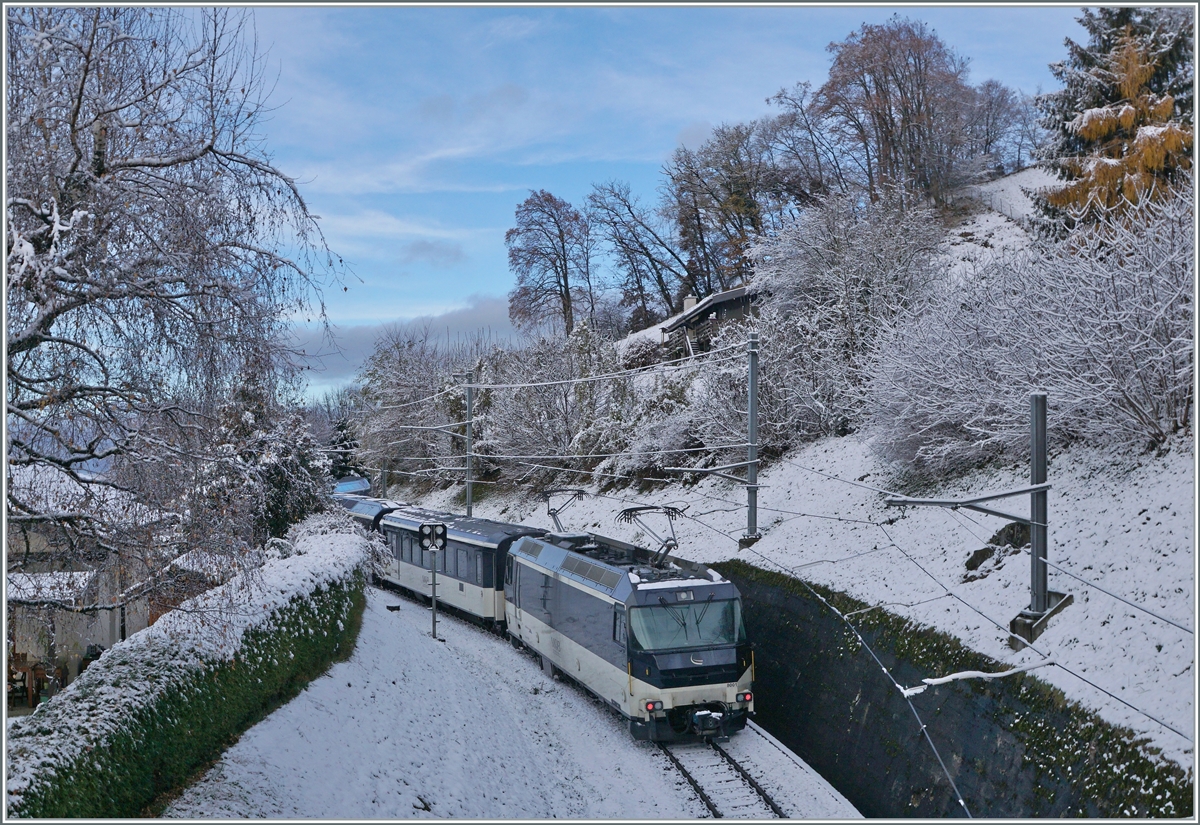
x: 52, y: 490
x: 704, y: 307
x: 58, y: 587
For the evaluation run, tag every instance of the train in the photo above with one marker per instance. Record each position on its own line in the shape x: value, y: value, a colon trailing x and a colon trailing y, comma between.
x: 659, y: 639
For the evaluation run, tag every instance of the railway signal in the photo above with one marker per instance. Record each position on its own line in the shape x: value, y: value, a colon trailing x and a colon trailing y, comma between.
x: 432, y: 537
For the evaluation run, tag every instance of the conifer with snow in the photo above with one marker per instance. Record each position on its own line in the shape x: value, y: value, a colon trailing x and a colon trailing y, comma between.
x: 1122, y: 125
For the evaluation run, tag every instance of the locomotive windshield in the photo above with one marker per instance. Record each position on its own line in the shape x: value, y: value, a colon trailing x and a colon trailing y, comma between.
x: 697, y: 624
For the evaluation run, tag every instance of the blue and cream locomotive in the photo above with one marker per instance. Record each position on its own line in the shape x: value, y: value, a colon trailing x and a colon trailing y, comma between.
x: 659, y: 639
x: 662, y: 643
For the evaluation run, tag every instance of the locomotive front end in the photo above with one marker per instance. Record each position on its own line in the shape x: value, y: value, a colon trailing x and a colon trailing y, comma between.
x: 690, y: 665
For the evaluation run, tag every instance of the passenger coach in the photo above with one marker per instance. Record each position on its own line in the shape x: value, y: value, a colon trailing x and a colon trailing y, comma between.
x: 470, y: 570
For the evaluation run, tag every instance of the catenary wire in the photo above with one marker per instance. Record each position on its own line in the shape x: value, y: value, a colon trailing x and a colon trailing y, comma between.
x: 1115, y: 596
x: 957, y: 794
x: 572, y: 457
x: 959, y: 598
x: 677, y: 363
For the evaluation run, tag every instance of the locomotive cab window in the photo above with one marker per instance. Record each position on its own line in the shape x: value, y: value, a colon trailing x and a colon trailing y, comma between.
x: 620, y: 631
x: 700, y: 623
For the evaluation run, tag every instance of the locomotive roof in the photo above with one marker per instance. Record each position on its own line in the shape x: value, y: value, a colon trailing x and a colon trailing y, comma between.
x: 616, y: 567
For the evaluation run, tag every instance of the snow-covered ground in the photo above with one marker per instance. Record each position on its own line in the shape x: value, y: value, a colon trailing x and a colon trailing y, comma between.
x: 468, y: 727
x: 1124, y: 522
x: 997, y: 229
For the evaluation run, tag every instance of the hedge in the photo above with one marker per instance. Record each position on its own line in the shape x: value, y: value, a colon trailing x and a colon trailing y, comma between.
x: 153, y: 710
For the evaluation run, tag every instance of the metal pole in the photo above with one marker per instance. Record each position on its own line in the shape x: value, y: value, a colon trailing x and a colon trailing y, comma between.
x: 433, y: 588
x: 1039, y: 600
x: 470, y: 376
x: 752, y: 450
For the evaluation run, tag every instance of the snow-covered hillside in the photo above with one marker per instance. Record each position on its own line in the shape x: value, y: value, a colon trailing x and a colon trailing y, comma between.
x: 996, y: 228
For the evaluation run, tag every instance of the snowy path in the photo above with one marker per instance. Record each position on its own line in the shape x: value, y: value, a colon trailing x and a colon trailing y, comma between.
x: 469, y: 727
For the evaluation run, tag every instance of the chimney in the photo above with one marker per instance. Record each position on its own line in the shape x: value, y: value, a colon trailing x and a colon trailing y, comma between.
x: 689, y: 301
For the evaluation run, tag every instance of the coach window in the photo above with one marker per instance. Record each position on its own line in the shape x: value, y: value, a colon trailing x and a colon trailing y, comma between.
x: 464, y: 562
x: 479, y: 568
x: 408, y: 543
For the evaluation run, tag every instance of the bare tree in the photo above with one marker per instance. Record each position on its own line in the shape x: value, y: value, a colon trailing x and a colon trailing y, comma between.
x: 550, y: 250
x: 652, y: 266
x: 1028, y: 136
x: 722, y: 197
x: 898, y: 94
x: 806, y: 147
x: 153, y: 256
x: 993, y: 120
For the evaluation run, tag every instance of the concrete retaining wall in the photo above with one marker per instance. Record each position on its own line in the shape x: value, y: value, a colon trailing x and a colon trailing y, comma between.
x: 1015, y: 747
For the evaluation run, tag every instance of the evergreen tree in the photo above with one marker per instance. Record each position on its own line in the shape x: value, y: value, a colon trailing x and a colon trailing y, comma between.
x: 343, y: 445
x: 1122, y: 125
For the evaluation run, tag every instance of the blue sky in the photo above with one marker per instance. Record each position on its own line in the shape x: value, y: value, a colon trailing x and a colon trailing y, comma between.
x: 415, y: 131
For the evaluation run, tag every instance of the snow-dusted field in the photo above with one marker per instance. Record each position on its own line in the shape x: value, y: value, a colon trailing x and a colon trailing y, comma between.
x: 468, y: 727
x: 1124, y: 522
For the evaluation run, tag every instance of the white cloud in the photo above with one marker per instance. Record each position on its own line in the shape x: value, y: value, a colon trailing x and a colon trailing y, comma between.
x: 334, y: 363
x: 374, y: 223
x: 440, y: 254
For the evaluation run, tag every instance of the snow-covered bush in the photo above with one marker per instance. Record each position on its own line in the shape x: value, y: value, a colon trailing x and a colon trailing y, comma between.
x: 829, y: 285
x: 1101, y: 321
x: 158, y: 705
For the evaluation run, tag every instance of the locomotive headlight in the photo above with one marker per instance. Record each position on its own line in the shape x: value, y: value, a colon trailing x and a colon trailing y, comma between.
x: 745, y: 697
x: 654, y: 706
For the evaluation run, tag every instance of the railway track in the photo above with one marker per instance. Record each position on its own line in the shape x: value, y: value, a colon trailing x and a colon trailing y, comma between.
x: 724, y: 786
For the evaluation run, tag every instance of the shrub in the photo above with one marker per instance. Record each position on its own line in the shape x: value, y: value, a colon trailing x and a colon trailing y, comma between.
x: 1101, y: 321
